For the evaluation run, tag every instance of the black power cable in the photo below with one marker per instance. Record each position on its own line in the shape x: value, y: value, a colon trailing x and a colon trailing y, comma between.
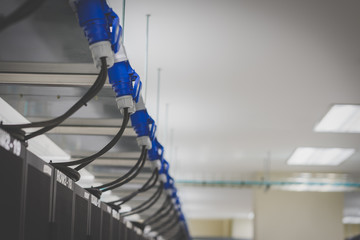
x: 131, y: 174
x: 135, y: 170
x: 73, y: 173
x: 85, y: 161
x: 169, y: 228
x: 147, y: 204
x: 20, y: 13
x: 165, y: 221
x: 161, y: 216
x: 147, y: 186
x: 163, y: 207
x: 178, y: 234
x: 50, y: 124
x: 149, y: 200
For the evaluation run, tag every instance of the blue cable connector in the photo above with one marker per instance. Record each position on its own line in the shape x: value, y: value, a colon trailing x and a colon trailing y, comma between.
x: 95, y: 18
x: 157, y: 151
x: 143, y: 125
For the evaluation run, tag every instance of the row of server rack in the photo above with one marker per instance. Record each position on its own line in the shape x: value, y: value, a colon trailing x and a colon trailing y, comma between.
x: 39, y: 202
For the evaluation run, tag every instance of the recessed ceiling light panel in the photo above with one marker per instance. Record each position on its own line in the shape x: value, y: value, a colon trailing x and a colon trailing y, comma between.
x: 341, y: 118
x: 320, y: 156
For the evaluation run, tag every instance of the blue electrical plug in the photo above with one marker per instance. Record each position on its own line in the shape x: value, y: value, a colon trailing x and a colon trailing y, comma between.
x: 93, y: 17
x: 156, y: 154
x: 123, y: 78
x: 143, y: 125
x: 157, y: 150
x: 163, y: 171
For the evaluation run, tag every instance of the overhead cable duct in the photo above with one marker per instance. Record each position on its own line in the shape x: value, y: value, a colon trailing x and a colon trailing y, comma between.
x: 104, y: 34
x: 95, y: 17
x: 50, y: 124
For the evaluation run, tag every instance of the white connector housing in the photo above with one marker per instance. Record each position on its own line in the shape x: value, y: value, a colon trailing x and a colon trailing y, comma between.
x: 102, y: 49
x: 154, y: 234
x: 144, y: 141
x: 156, y: 164
x: 125, y: 102
x: 140, y: 105
x: 163, y: 178
x: 72, y: 5
x: 169, y: 191
x: 120, y: 55
x: 147, y: 229
x: 160, y: 238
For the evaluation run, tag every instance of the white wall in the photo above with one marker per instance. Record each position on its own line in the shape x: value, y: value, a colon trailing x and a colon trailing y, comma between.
x: 210, y: 227
x: 242, y: 228
x: 281, y: 215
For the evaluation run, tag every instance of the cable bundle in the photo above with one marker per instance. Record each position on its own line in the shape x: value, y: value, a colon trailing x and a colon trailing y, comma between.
x: 104, y: 34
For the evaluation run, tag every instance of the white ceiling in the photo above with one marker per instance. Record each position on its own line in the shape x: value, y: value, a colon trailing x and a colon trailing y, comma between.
x: 242, y: 78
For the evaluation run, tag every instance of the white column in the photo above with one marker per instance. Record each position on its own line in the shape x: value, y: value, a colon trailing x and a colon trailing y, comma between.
x: 281, y: 215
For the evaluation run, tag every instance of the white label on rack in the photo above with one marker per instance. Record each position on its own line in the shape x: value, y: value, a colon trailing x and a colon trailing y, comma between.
x: 13, y: 146
x: 47, y: 170
x: 138, y: 230
x: 86, y: 195
x: 128, y: 224
x: 115, y: 214
x: 64, y: 180
x: 95, y: 201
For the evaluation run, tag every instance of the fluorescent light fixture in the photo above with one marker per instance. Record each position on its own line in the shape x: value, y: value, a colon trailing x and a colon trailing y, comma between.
x: 341, y: 118
x: 320, y: 156
x: 42, y: 146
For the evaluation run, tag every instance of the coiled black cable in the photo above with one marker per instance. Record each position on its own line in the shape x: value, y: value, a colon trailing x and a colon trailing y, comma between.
x: 147, y: 186
x: 85, y: 161
x: 177, y: 234
x: 134, y: 171
x: 165, y: 221
x: 166, y: 229
x: 161, y: 216
x: 148, y: 203
x: 163, y: 207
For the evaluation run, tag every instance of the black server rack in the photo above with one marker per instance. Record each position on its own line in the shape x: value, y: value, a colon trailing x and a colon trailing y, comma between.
x: 82, y: 214
x: 62, y: 207
x: 106, y: 213
x: 95, y: 219
x: 123, y: 230
x: 38, y: 200
x: 115, y: 225
x: 131, y: 234
x: 12, y: 172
